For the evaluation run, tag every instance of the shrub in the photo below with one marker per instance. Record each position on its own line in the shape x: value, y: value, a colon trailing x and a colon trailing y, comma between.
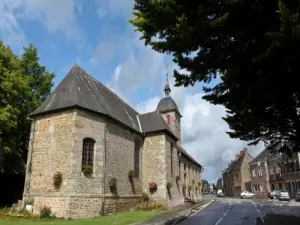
x: 45, y: 212
x: 131, y: 173
x: 152, y: 187
x: 184, y: 186
x: 177, y: 178
x: 57, y: 180
x: 145, y: 197
x: 145, y: 206
x: 113, y: 184
x: 169, y: 185
x: 87, y: 170
x: 29, y: 201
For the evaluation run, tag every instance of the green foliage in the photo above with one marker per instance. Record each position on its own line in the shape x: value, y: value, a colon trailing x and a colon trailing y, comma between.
x: 45, y: 212
x: 24, y: 84
x: 251, y: 47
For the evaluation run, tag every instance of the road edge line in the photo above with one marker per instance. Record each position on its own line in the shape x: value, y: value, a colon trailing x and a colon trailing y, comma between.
x: 186, y: 216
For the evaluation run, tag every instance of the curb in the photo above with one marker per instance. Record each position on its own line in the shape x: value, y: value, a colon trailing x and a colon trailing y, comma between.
x: 189, y: 212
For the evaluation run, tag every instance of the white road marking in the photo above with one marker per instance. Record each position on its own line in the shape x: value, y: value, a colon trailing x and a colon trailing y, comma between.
x: 261, y: 218
x: 219, y: 221
x: 224, y: 214
x: 196, y: 211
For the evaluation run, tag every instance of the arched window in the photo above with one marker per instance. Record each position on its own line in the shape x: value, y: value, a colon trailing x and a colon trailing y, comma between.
x: 137, y: 146
x: 169, y: 120
x: 88, y: 153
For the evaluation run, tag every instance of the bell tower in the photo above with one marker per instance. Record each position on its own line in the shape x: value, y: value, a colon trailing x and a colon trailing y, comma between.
x: 169, y: 111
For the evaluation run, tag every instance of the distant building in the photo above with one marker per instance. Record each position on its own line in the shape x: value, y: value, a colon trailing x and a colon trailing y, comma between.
x: 220, y: 184
x: 236, y: 177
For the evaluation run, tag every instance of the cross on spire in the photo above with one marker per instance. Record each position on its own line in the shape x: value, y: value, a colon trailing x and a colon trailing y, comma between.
x: 167, y: 87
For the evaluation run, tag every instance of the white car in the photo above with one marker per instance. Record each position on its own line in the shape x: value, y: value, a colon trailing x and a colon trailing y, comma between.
x: 247, y: 194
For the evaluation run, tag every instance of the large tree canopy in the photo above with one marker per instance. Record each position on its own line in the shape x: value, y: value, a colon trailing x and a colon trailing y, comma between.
x: 252, y: 47
x: 24, y: 83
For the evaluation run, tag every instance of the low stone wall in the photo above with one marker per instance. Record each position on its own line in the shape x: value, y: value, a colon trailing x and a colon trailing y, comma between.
x: 84, y: 207
x: 59, y: 205
x: 120, y: 204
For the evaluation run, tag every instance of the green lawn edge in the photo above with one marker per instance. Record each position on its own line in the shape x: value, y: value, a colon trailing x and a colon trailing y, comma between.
x: 124, y: 218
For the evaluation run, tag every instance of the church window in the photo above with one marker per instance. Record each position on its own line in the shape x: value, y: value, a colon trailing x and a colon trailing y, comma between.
x: 88, y: 153
x: 137, y: 146
x: 168, y: 119
x: 171, y: 158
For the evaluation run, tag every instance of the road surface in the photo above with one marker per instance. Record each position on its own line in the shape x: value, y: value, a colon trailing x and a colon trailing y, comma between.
x: 234, y: 211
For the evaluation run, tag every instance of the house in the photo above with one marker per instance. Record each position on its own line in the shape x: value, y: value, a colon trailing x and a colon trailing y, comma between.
x: 260, y: 173
x: 91, y: 153
x: 236, y: 178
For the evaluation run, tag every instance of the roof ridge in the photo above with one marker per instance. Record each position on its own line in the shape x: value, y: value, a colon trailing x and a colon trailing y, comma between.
x: 111, y: 92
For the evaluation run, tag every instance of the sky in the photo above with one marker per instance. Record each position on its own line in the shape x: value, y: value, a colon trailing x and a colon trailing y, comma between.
x: 96, y: 35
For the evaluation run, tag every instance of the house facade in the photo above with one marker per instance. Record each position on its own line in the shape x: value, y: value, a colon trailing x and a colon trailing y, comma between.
x: 237, y: 178
x: 91, y: 153
x: 260, y: 173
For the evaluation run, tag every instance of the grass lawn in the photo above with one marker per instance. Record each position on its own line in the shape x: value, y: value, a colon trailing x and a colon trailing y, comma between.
x: 115, y: 219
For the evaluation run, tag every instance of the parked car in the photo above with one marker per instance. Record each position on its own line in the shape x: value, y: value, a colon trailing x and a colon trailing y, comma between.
x: 274, y: 194
x: 297, y: 195
x: 247, y: 194
x: 220, y: 193
x: 284, y: 195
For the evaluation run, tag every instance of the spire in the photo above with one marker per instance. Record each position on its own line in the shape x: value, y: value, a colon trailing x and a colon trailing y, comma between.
x: 167, y: 87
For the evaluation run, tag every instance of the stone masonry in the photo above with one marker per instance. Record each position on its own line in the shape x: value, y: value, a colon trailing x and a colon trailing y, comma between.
x: 121, y: 140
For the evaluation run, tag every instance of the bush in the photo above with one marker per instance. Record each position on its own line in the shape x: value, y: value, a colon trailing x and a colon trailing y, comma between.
x: 131, y: 173
x: 146, y: 206
x: 169, y: 185
x: 145, y: 197
x: 45, y: 212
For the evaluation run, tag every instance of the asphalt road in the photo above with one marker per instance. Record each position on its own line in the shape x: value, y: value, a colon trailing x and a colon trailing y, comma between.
x: 227, y: 211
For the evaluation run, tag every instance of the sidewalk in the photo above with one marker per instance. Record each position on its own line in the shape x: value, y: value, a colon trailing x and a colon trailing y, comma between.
x: 178, y: 213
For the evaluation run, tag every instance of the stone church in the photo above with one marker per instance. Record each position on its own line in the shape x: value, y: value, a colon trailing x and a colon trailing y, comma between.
x: 90, y: 153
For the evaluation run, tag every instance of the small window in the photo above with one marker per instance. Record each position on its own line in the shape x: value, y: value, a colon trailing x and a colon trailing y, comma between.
x: 88, y: 153
x: 253, y: 173
x: 169, y: 120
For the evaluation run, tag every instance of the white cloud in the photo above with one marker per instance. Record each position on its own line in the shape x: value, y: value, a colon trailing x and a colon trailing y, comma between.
x: 106, y: 8
x: 56, y: 15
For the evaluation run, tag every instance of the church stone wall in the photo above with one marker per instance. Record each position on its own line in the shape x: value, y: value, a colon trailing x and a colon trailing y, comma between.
x: 174, y: 194
x: 154, y: 165
x: 175, y: 123
x: 191, y: 176
x: 57, y: 147
x: 120, y: 159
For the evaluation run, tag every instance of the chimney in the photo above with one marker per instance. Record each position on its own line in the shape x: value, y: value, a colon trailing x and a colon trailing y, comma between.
x: 237, y: 157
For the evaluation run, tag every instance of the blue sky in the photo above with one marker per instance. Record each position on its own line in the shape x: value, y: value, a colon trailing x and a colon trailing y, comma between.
x: 96, y: 35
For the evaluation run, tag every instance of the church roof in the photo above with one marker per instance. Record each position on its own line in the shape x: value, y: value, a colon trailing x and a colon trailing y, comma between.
x: 82, y: 90
x: 167, y: 104
x: 153, y: 121
x: 79, y: 89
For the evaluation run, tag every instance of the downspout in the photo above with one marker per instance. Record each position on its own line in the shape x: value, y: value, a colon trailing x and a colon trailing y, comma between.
x: 104, y: 169
x: 29, y: 159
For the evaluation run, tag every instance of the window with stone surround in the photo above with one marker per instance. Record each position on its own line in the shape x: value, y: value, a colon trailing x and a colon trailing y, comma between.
x: 253, y: 173
x: 137, y: 146
x: 88, y: 153
x: 259, y: 171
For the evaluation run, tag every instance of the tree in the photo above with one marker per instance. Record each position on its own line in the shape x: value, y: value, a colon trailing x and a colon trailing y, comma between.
x: 252, y: 47
x: 24, y: 84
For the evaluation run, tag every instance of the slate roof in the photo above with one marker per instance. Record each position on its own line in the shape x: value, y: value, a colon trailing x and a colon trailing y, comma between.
x: 82, y: 90
x: 188, y: 155
x: 79, y: 89
x: 167, y: 104
x: 153, y: 121
x: 265, y: 154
